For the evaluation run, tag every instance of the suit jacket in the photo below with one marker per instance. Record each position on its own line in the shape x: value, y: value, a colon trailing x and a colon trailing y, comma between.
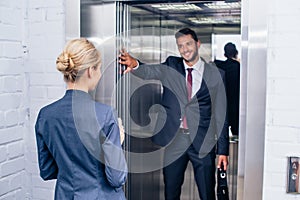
x: 232, y: 73
x: 78, y: 144
x: 205, y: 112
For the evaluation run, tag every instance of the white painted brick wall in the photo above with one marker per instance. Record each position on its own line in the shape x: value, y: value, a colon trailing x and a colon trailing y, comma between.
x: 10, y: 66
x: 15, y: 149
x: 46, y: 38
x: 12, y: 98
x: 31, y: 37
x: 283, y: 97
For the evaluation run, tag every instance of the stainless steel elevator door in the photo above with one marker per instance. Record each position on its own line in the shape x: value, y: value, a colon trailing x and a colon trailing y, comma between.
x: 149, y: 45
x: 115, y: 25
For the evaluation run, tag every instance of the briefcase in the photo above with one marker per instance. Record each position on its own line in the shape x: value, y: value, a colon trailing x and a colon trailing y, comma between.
x: 222, y: 187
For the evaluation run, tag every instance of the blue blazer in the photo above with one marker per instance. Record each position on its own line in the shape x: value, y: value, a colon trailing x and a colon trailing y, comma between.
x: 205, y: 112
x: 78, y: 144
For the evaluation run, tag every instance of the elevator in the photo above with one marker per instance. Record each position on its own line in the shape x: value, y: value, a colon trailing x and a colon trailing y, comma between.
x: 146, y: 29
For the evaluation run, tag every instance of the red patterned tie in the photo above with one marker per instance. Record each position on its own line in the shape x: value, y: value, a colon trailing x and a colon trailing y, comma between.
x: 189, y: 85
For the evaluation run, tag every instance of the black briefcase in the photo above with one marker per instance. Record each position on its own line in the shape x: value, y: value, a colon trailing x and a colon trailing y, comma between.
x: 222, y: 187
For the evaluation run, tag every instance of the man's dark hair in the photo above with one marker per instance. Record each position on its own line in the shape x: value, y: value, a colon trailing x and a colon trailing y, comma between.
x: 186, y: 31
x: 230, y: 50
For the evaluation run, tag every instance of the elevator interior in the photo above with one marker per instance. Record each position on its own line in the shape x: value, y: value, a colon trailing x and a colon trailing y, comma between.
x: 146, y: 29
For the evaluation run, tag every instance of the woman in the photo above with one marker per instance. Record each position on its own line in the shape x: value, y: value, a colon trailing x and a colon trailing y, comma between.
x: 78, y: 139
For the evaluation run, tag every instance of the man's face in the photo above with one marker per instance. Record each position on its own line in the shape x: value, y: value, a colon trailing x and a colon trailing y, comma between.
x: 188, y: 49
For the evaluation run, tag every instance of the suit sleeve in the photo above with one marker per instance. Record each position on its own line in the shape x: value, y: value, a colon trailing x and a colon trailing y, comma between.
x: 221, y: 117
x: 47, y: 164
x: 115, y: 163
x: 151, y: 71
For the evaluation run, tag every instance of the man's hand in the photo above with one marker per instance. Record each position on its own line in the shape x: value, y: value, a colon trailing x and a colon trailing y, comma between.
x: 126, y: 59
x: 222, y: 159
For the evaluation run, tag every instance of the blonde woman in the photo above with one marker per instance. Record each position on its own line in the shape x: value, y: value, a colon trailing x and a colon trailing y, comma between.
x: 78, y: 139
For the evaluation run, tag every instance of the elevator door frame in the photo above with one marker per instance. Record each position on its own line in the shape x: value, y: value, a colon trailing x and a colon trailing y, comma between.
x: 253, y: 84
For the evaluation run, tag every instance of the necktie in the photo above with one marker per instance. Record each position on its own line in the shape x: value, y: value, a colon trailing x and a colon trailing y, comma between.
x: 189, y: 85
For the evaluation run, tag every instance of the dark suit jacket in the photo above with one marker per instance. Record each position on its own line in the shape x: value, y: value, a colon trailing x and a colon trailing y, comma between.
x: 206, y: 112
x: 232, y: 73
x: 78, y: 144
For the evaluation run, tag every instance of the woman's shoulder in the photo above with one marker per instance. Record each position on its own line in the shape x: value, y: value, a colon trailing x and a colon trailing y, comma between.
x: 53, y: 107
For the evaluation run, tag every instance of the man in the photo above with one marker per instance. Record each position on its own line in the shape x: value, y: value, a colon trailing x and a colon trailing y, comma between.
x: 193, y: 120
x: 231, y: 66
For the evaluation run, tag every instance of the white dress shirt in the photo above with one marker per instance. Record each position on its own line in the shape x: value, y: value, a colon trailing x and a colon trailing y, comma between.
x: 197, y: 74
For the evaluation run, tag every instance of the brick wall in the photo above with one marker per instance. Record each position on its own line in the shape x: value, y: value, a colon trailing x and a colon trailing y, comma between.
x: 13, y: 107
x: 45, y: 40
x: 283, y: 96
x: 32, y: 35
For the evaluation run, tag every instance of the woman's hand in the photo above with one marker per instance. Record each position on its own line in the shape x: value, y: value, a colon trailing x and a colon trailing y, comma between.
x: 122, y: 132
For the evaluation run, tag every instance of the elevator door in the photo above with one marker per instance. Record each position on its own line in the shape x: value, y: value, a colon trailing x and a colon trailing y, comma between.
x: 148, y: 34
x: 136, y: 100
x: 150, y: 44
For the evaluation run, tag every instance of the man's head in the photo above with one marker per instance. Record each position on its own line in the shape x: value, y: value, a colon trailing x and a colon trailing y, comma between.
x: 186, y: 31
x: 230, y: 50
x: 188, y: 45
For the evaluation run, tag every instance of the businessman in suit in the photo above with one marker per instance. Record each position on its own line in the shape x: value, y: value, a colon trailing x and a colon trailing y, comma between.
x: 231, y: 66
x: 192, y: 125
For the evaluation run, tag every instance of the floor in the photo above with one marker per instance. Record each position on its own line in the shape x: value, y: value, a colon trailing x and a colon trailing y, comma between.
x: 144, y: 185
x: 189, y: 190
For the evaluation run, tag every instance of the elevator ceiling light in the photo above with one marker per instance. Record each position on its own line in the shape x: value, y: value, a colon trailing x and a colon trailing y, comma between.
x: 205, y: 20
x: 213, y: 20
x: 176, y: 7
x: 223, y: 5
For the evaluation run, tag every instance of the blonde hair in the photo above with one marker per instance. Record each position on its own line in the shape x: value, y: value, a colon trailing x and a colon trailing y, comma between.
x: 78, y: 55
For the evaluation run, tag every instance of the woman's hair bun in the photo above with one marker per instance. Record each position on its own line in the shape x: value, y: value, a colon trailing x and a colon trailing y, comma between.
x: 78, y: 54
x: 65, y: 65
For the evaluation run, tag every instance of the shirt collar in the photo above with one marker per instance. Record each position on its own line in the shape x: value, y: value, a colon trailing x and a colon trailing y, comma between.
x: 198, y: 66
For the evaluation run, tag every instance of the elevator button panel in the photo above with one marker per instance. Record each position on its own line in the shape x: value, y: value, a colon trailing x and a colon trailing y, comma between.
x: 293, y: 175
